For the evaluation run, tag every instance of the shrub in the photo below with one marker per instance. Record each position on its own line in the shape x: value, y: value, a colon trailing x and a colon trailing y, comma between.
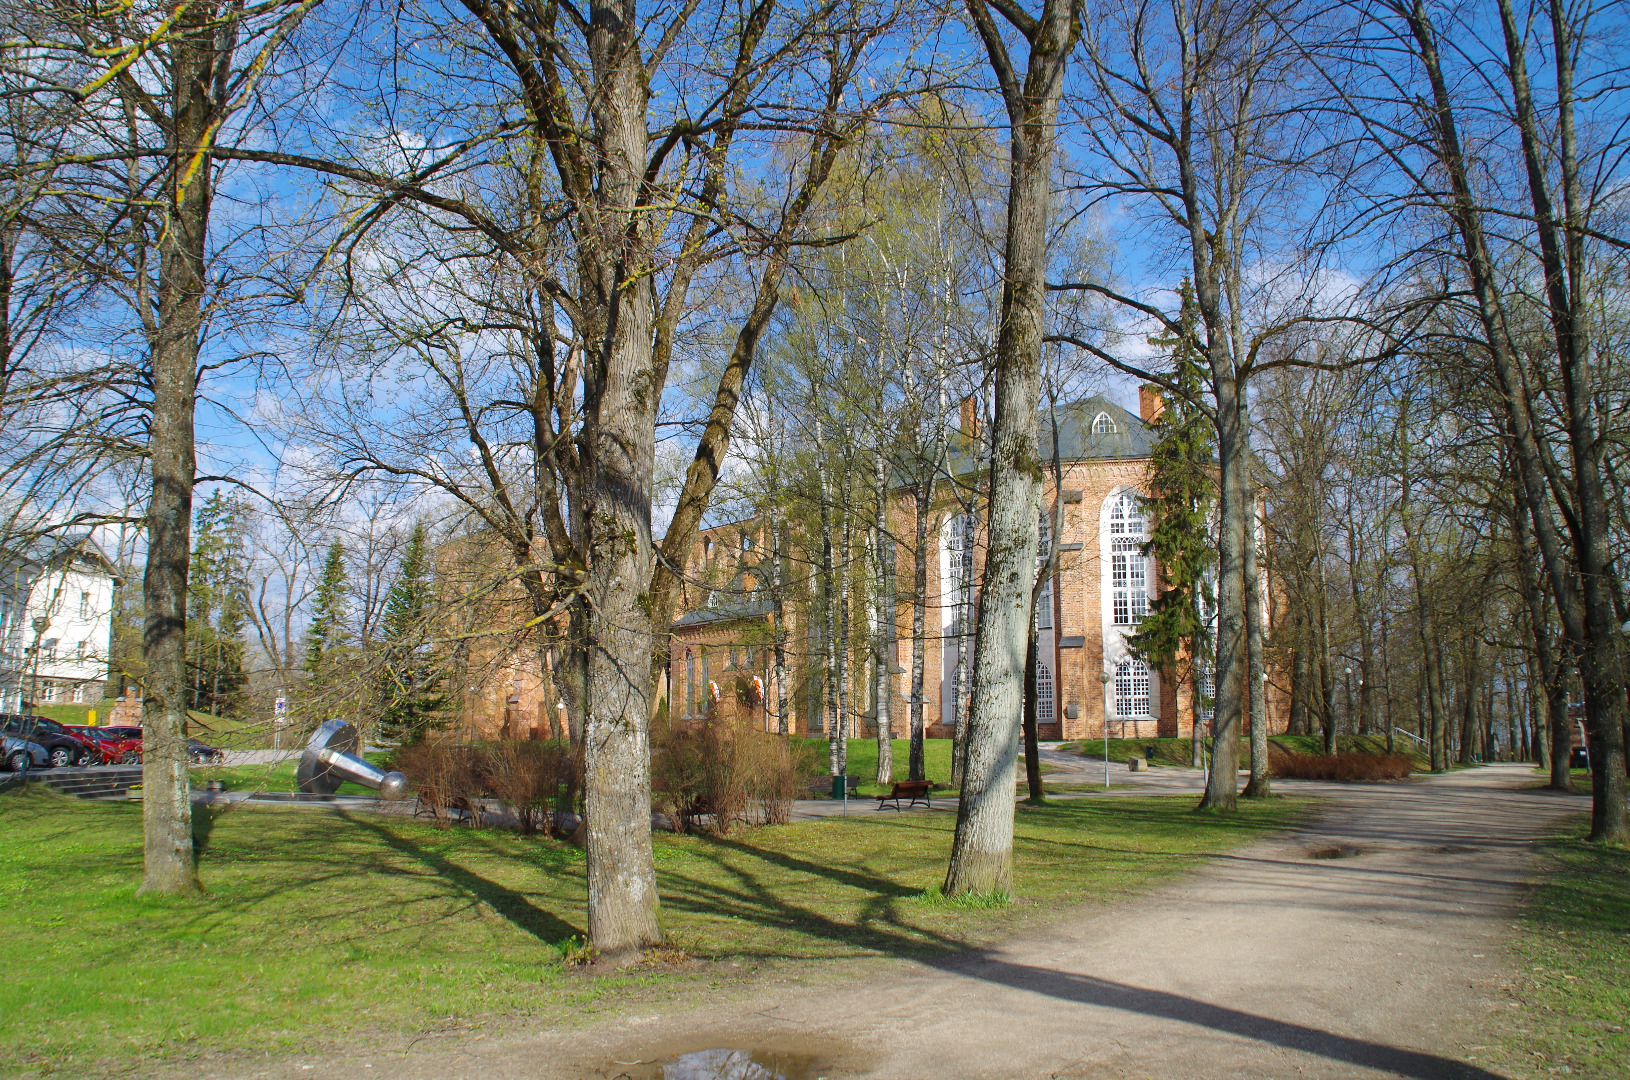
x: 530, y: 779
x: 1345, y: 765
x: 723, y: 768
x: 445, y: 777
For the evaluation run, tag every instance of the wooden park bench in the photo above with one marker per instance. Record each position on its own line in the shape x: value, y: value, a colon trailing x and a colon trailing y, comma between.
x: 914, y: 790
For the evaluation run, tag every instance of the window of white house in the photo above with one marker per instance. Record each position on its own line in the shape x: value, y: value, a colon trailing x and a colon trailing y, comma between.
x: 1128, y: 566
x: 1103, y: 424
x: 48, y: 649
x: 1132, y: 689
x: 1044, y: 693
x: 84, y: 605
x: 79, y: 693
x: 48, y: 692
x: 79, y: 650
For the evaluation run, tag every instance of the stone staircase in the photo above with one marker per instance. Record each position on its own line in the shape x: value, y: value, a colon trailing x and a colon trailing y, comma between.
x: 103, y: 782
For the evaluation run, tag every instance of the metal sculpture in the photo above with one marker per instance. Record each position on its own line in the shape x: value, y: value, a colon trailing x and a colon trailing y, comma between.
x: 332, y: 756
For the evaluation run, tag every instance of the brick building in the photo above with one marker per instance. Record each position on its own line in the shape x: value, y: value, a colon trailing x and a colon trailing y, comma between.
x: 722, y: 644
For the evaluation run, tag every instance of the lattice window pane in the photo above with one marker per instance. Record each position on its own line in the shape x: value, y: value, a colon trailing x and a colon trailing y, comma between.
x: 1044, y: 694
x: 1132, y: 689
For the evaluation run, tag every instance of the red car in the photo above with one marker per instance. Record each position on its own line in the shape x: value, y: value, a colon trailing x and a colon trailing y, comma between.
x: 113, y: 745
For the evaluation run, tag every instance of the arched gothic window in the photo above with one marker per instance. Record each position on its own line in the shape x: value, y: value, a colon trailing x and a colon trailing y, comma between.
x: 1132, y: 690
x: 1128, y: 566
x: 1044, y: 693
x: 1103, y: 424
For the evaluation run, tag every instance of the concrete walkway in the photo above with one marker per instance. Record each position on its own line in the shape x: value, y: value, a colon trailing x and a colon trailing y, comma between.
x: 1271, y: 962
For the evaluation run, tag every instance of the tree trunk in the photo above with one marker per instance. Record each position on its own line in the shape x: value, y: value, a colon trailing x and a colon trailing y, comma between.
x: 1584, y: 602
x: 982, y: 849
x: 778, y: 571
x: 831, y: 700
x: 1601, y: 663
x: 965, y: 618
x: 168, y: 860
x: 1032, y: 754
x: 1468, y: 711
x: 1222, y: 785
x: 1366, y: 660
x: 1197, y: 736
x: 883, y: 619
x: 1260, y: 785
x: 919, y: 618
x: 1301, y: 676
x: 619, y: 436
x: 1327, y: 684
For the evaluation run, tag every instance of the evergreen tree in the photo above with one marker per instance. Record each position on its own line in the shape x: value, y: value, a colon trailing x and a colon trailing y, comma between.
x: 1174, y: 636
x: 409, y: 686
x: 217, y: 602
x: 326, y: 637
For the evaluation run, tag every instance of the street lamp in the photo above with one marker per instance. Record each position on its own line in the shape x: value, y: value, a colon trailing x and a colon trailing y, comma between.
x: 40, y: 624
x: 1104, y: 677
x: 1349, y: 685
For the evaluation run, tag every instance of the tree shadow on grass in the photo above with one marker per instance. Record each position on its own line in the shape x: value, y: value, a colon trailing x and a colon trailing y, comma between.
x: 880, y: 925
x: 513, y: 906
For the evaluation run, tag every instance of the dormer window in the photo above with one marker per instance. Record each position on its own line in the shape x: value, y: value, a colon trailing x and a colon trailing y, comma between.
x: 1103, y: 424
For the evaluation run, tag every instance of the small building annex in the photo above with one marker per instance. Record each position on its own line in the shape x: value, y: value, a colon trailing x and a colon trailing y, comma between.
x: 721, y: 648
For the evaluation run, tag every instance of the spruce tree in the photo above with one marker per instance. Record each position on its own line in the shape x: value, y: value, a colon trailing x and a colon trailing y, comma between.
x: 217, y: 598
x: 409, y: 685
x: 1174, y: 635
x: 325, y: 636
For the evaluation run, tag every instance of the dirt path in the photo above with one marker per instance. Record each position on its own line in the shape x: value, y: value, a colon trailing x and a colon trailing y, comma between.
x: 1268, y: 963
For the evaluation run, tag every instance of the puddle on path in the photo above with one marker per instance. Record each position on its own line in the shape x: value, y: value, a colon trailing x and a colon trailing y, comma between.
x: 1340, y: 851
x: 720, y: 1063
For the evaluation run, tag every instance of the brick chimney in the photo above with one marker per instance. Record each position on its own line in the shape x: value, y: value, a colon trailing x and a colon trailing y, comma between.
x: 970, y: 416
x: 1150, y: 403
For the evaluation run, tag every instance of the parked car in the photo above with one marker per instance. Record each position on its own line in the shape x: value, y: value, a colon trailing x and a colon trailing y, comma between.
x: 111, y: 749
x: 1579, y: 753
x: 203, y: 754
x: 17, y: 753
x: 61, y: 748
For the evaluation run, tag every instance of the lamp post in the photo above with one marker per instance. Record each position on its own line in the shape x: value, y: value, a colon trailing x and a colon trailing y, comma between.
x: 1104, y: 677
x: 1348, y: 683
x: 40, y: 624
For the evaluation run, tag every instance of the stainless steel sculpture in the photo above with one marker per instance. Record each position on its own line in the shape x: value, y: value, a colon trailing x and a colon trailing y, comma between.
x: 332, y: 757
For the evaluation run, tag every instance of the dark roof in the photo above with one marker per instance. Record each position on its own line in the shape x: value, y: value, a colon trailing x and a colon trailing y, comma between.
x: 733, y: 603
x: 1076, y: 440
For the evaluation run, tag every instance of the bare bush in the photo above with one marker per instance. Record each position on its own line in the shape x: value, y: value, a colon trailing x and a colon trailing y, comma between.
x: 530, y: 779
x: 723, y: 770
x: 445, y: 777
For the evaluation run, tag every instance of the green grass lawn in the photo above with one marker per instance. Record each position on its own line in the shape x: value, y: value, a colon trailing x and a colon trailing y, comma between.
x: 863, y: 761
x: 1574, y: 950
x: 319, y: 925
x: 278, y: 777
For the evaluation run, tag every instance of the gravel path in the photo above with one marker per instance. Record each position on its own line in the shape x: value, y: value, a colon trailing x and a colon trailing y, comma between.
x: 1271, y: 962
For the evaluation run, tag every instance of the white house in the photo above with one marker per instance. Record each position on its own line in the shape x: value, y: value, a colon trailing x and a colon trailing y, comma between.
x: 56, y: 622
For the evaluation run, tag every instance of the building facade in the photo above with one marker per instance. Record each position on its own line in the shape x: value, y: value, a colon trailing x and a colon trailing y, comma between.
x: 1087, y: 681
x: 56, y: 624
